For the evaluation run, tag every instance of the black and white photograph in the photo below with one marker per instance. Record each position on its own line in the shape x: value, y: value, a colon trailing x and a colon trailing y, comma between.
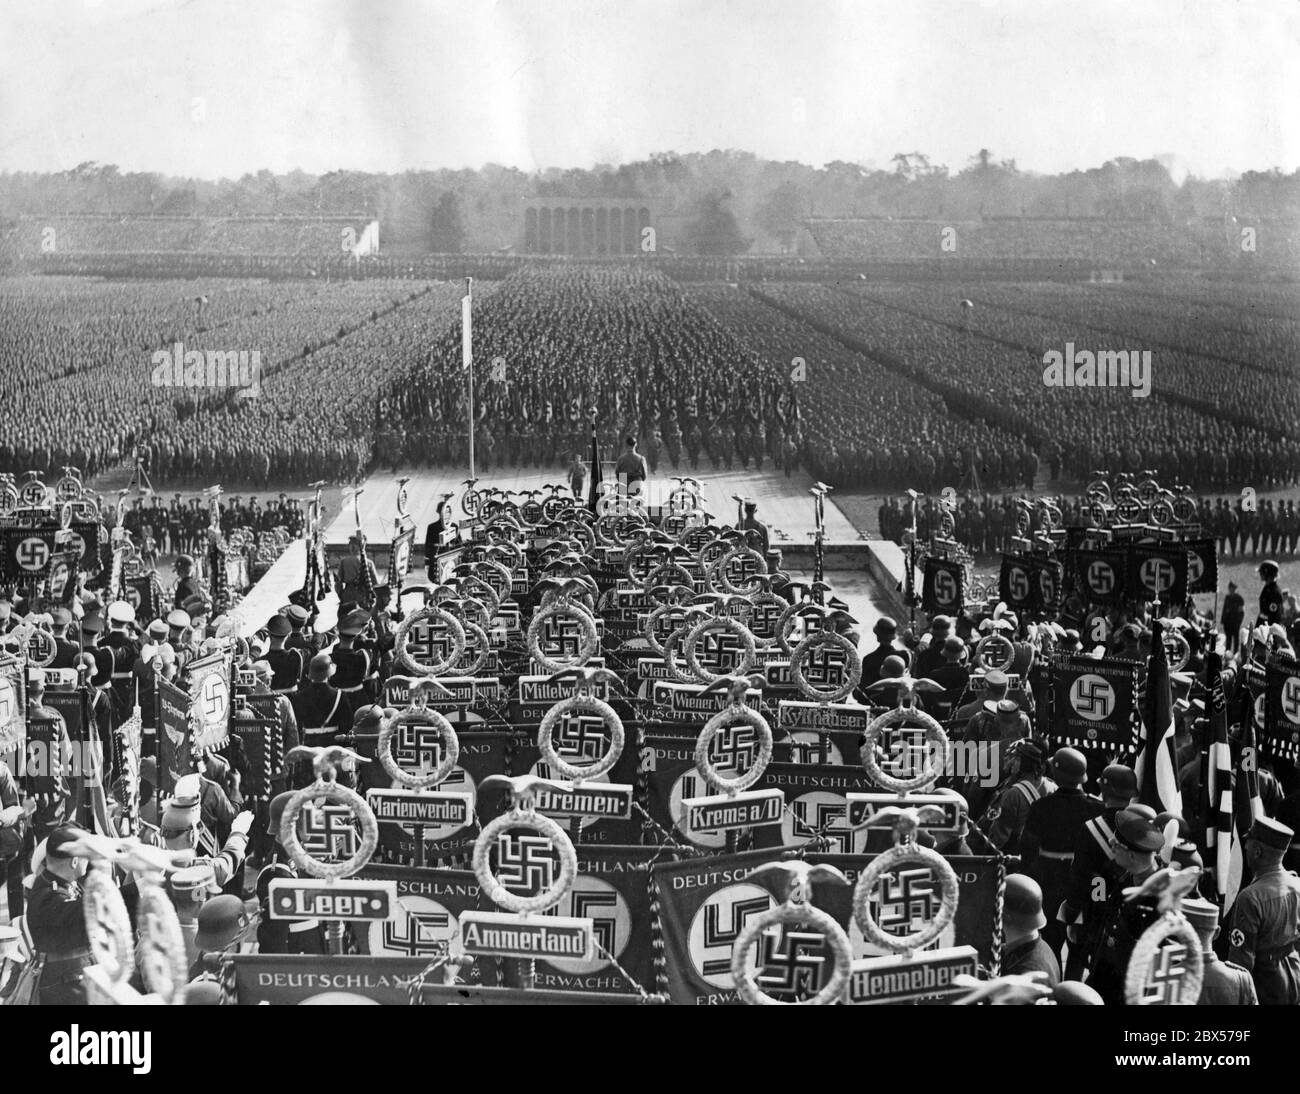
x: 651, y: 503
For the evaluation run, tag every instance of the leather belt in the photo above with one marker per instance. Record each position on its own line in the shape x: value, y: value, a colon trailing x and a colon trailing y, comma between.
x: 61, y: 968
x: 1274, y: 957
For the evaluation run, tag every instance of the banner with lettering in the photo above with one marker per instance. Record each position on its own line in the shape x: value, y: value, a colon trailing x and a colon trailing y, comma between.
x: 175, y: 747
x: 45, y: 754
x: 429, y: 906
x: 815, y: 805
x: 942, y: 586
x: 289, y: 980
x: 73, y: 704
x: 582, y: 741
x: 1281, y: 739
x: 612, y: 889
x: 825, y: 733
x: 482, y: 753
x: 210, y: 700
x: 25, y: 552
x: 262, y: 742
x: 909, y: 898
x: 703, y: 906
x: 668, y: 768
x: 1093, y: 703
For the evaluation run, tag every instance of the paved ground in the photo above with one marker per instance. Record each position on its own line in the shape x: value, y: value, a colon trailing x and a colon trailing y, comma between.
x: 862, y: 594
x: 784, y: 504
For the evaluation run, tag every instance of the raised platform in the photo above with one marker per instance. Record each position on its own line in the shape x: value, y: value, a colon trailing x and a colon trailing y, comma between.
x: 868, y: 574
x: 784, y: 504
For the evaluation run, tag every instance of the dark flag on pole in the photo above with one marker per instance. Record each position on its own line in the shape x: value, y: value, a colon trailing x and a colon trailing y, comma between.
x: 1157, y: 770
x: 594, y: 490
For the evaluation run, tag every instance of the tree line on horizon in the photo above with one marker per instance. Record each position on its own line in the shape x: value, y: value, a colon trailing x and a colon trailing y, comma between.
x: 727, y: 202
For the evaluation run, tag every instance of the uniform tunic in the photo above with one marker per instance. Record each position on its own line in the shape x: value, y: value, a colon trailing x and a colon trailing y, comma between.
x: 57, y: 922
x: 1031, y: 955
x: 1226, y: 984
x: 1265, y: 927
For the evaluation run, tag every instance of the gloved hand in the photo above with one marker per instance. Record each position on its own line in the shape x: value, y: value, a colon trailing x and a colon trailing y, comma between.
x: 11, y: 816
x: 241, y: 824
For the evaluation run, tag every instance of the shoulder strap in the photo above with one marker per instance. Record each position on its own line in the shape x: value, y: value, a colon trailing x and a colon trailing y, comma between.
x: 1100, y: 830
x: 1029, y: 790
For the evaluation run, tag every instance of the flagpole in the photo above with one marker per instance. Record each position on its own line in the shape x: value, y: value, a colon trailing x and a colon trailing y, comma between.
x: 467, y: 358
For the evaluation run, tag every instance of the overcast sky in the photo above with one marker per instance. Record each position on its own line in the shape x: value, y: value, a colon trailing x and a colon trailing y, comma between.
x: 217, y: 88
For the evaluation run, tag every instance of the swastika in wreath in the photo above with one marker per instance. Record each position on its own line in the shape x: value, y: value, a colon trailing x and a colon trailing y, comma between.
x: 791, y: 961
x: 32, y: 495
x: 763, y: 619
x: 734, y: 748
x: 1165, y: 980
x: 525, y: 864
x: 417, y: 747
x: 825, y: 666
x: 430, y: 642
x: 580, y: 737
x: 719, y: 651
x: 804, y: 626
x: 668, y: 622
x: 328, y: 832
x: 740, y: 569
x: 906, y: 901
x: 561, y: 636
